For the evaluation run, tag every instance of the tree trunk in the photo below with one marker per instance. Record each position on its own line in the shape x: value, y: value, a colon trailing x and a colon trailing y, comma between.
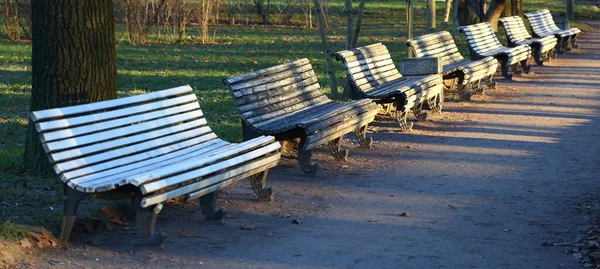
x: 518, y: 8
x: 447, y: 13
x: 508, y: 8
x: 348, y: 12
x: 493, y: 14
x: 361, y: 11
x: 73, y: 61
x: 327, y: 51
x: 430, y: 15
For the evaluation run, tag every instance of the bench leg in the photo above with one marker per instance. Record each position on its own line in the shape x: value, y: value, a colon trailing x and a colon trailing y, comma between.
x: 526, y: 68
x: 305, y: 159
x: 505, y: 73
x: 573, y: 40
x: 490, y: 83
x: 567, y: 43
x: 401, y: 118
x: 145, y: 222
x: 262, y: 190
x: 248, y: 133
x: 335, y: 146
x: 386, y: 109
x: 476, y: 87
x: 361, y: 136
x: 553, y: 53
x: 208, y: 203
x: 450, y: 84
x: 71, y: 199
x: 559, y: 45
x: 418, y: 111
x: 464, y: 93
x: 515, y: 69
x: 435, y: 103
x: 537, y: 55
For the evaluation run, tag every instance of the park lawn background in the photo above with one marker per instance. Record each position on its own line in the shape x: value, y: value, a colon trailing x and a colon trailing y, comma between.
x: 239, y: 49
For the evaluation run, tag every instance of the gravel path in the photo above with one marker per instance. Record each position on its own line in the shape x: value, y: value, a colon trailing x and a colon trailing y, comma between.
x: 483, y: 185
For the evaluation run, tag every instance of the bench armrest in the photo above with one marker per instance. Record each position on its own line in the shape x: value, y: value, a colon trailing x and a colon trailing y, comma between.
x: 421, y: 66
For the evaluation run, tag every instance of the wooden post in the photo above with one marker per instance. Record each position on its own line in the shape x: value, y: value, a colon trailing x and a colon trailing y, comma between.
x: 430, y: 15
x: 326, y: 49
x: 409, y: 18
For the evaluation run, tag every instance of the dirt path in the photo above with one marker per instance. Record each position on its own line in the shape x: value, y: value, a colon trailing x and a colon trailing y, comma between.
x: 485, y: 184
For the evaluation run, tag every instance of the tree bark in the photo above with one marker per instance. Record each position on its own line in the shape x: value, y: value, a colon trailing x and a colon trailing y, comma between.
x: 348, y: 12
x: 494, y: 12
x: 361, y: 9
x: 73, y: 61
x: 447, y: 13
x: 430, y: 15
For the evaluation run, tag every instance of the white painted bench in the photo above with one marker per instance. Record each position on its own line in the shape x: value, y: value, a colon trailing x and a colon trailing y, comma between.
x: 516, y: 34
x: 457, y: 71
x: 151, y: 147
x: 287, y: 102
x: 542, y: 25
x: 373, y: 74
x: 483, y: 43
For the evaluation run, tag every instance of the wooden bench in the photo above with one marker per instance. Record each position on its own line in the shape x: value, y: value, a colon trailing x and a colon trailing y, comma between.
x: 483, y: 43
x: 151, y: 147
x: 286, y: 101
x: 542, y: 25
x: 457, y: 71
x: 373, y: 74
x: 517, y: 34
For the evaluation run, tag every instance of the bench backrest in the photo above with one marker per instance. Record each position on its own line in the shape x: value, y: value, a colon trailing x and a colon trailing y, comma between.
x: 515, y: 29
x: 273, y: 92
x: 369, y: 66
x: 541, y: 22
x: 481, y: 38
x: 85, y: 139
x: 440, y: 44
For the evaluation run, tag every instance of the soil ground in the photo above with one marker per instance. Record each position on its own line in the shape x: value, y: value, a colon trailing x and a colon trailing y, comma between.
x: 486, y: 184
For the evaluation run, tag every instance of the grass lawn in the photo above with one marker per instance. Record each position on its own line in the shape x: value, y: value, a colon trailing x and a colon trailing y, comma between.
x: 239, y: 49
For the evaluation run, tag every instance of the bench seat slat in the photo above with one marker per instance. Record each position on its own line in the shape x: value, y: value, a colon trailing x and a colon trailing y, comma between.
x: 129, y: 150
x: 113, y: 134
x: 99, y: 117
x: 41, y: 115
x: 178, y: 153
x: 98, y: 127
x: 212, y: 183
x: 199, y: 171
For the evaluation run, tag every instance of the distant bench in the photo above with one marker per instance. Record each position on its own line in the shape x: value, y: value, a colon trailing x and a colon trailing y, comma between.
x: 517, y: 34
x: 286, y: 101
x: 542, y: 25
x: 373, y: 74
x: 483, y: 43
x: 150, y: 147
x: 454, y: 65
